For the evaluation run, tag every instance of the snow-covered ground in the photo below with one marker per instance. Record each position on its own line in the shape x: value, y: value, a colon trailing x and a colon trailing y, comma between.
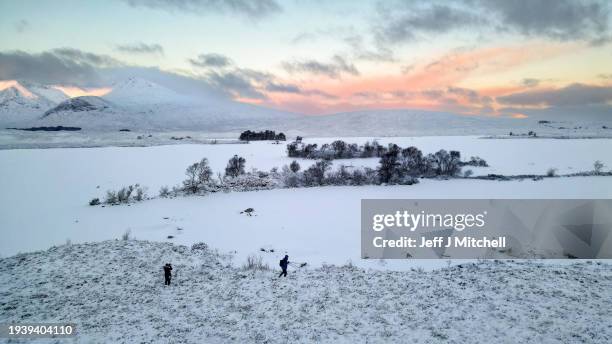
x: 45, y: 194
x: 114, y: 292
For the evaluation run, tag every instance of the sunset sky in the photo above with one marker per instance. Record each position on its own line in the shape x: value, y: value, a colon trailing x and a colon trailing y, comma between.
x: 494, y: 58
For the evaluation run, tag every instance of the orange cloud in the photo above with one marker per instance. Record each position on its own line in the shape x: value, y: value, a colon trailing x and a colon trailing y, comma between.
x: 72, y: 91
x: 4, y: 84
x: 455, y: 68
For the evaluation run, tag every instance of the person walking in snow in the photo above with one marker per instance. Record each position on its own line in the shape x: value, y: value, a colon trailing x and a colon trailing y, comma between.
x: 283, y: 264
x: 167, y: 273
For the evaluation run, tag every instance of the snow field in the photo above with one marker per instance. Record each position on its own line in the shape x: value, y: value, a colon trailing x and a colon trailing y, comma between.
x: 114, y: 292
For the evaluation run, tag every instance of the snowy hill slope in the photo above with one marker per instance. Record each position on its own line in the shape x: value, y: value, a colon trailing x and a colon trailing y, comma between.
x: 114, y: 292
x: 89, y: 111
x: 80, y: 104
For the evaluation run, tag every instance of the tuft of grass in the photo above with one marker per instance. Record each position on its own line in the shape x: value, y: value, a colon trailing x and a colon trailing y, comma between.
x: 255, y: 263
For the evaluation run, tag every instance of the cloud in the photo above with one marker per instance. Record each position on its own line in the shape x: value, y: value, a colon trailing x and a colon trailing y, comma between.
x: 253, y: 9
x: 472, y: 96
x: 359, y: 50
x: 58, y: 66
x: 221, y: 73
x: 238, y: 84
x: 82, y: 57
x: 21, y: 26
x: 211, y: 60
x: 411, y: 21
x: 333, y: 69
x: 140, y: 48
x: 563, y: 20
x: 303, y: 37
x: 572, y: 95
x: 247, y: 83
x: 282, y: 88
x: 605, y: 76
x: 406, y: 69
x: 530, y: 82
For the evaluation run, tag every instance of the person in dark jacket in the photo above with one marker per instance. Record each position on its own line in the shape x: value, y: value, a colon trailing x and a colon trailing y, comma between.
x: 167, y: 273
x: 283, y: 264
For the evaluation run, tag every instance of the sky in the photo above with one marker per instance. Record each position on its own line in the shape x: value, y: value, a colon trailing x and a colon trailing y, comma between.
x: 474, y: 57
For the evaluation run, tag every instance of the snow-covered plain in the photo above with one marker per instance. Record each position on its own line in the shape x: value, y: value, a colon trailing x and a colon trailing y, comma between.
x: 114, y: 292
x: 45, y: 195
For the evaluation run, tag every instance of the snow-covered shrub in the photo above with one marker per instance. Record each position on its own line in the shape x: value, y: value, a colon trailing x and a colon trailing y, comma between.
x: 95, y: 201
x: 294, y: 166
x: 235, y: 166
x: 468, y: 173
x: 176, y: 190
x: 199, y: 246
x: 141, y: 193
x: 341, y: 176
x: 111, y: 197
x: 126, y: 235
x: 358, y: 177
x: 551, y: 172
x: 598, y: 166
x: 315, y: 174
x: 164, y: 192
x: 126, y: 194
x: 290, y: 178
x: 255, y: 263
x: 249, y: 182
x: 476, y: 162
x: 407, y: 180
x: 123, y: 195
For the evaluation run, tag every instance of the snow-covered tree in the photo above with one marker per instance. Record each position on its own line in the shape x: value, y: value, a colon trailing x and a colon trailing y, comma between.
x: 198, y: 176
x: 315, y: 174
x: 235, y: 166
x: 294, y: 166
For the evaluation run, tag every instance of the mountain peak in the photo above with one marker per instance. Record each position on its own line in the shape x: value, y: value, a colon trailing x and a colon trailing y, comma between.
x: 138, y: 91
x: 14, y: 89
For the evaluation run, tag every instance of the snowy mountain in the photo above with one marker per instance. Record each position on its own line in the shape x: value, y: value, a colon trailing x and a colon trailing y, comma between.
x: 140, y: 104
x: 79, y: 104
x: 89, y: 112
x: 49, y: 93
x: 21, y: 101
x: 114, y: 291
x: 139, y: 92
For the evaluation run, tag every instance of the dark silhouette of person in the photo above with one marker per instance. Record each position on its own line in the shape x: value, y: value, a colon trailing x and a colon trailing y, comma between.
x: 283, y: 264
x: 167, y: 273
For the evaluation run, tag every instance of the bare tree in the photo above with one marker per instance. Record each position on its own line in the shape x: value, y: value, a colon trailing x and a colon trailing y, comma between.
x: 235, y: 166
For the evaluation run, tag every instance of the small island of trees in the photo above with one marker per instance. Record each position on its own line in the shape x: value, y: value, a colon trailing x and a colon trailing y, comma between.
x: 266, y: 135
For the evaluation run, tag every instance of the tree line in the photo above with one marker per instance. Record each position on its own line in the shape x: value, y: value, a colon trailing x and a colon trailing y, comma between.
x: 262, y: 136
x: 396, y: 166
